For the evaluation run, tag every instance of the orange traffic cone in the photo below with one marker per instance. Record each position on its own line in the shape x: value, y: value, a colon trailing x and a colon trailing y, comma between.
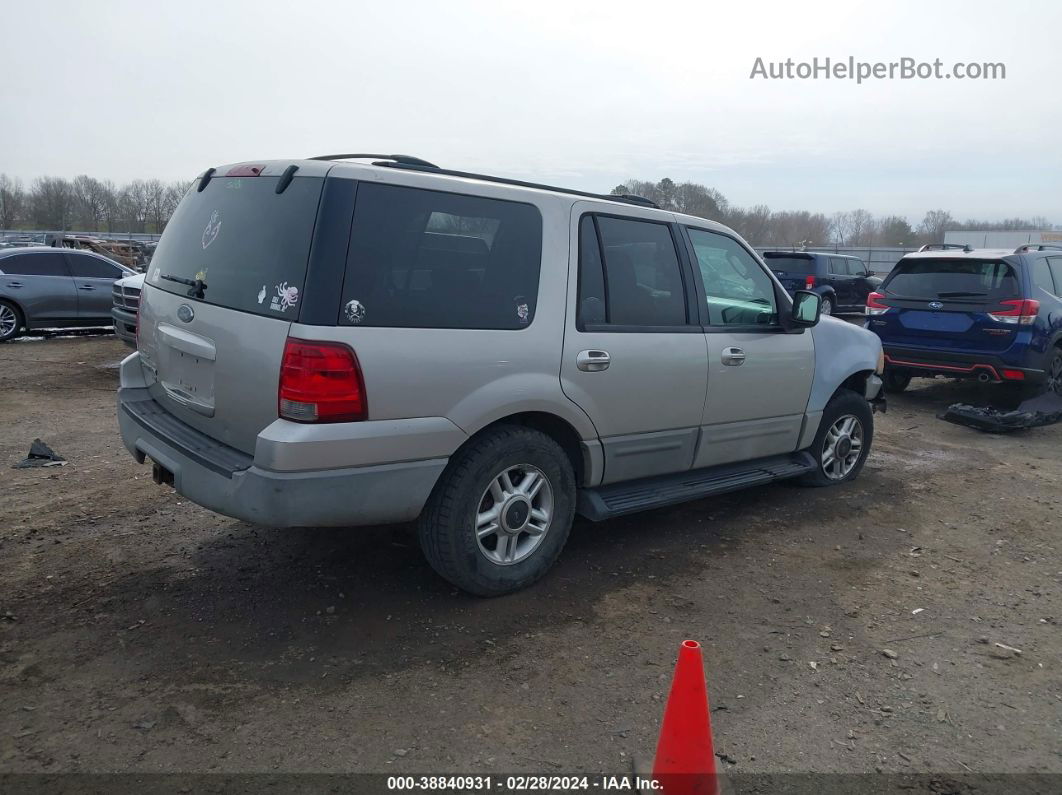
x: 685, y: 756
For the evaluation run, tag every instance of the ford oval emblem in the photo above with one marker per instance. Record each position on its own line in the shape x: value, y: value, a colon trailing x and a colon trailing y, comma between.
x: 185, y: 313
x: 936, y: 305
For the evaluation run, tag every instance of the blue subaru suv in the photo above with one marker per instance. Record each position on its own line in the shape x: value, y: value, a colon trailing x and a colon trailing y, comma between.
x: 994, y: 315
x: 843, y: 281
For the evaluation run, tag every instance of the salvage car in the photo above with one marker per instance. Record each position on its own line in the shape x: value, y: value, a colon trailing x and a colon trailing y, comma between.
x: 347, y: 343
x: 843, y: 281
x: 126, y: 302
x: 44, y: 287
x: 990, y: 314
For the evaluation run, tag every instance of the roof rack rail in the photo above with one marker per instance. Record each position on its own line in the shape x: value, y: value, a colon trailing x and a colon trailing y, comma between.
x: 945, y: 246
x: 417, y: 164
x: 626, y: 198
x: 1037, y: 247
x: 403, y: 159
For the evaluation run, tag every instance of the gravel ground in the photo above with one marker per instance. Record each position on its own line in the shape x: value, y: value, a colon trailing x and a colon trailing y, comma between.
x: 141, y: 633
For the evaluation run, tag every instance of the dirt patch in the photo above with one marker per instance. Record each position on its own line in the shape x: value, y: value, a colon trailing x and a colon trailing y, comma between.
x: 139, y: 632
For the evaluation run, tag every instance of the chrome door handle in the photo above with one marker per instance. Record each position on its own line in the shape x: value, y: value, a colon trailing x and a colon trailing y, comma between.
x: 14, y: 284
x: 593, y: 361
x: 86, y: 287
x: 733, y: 356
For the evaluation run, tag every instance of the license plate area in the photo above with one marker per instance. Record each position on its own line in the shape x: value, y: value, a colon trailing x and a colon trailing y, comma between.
x: 185, y: 369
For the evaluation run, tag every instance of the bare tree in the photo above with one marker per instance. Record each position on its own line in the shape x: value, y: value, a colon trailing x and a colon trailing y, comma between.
x: 863, y: 228
x: 51, y: 203
x: 12, y: 201
x: 90, y: 202
x: 933, y: 226
x: 841, y: 228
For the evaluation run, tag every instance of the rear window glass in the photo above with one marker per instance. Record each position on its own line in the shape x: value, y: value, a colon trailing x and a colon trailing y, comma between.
x: 957, y: 279
x: 246, y: 242
x: 790, y: 264
x: 428, y: 259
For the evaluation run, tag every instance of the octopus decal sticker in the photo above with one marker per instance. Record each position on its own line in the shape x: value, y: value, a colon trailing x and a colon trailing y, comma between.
x: 286, y: 297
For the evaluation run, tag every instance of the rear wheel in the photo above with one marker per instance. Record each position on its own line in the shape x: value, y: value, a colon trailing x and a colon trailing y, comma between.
x: 828, y: 307
x: 501, y: 512
x: 843, y: 441
x: 10, y: 321
x: 1054, y: 373
x: 896, y: 380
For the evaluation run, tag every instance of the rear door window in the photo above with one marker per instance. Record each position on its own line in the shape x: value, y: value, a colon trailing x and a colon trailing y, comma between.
x: 93, y: 268
x: 429, y: 259
x: 960, y: 280
x: 641, y: 283
x: 46, y: 264
x: 837, y: 266
x: 248, y: 244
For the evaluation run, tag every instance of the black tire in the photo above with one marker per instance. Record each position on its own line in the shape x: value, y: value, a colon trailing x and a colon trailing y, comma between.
x: 845, y: 403
x: 896, y: 381
x: 447, y: 526
x: 1054, y: 373
x: 5, y: 308
x: 829, y: 306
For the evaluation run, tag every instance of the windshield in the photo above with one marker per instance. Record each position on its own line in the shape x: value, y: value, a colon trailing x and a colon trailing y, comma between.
x: 790, y: 264
x: 240, y: 244
x: 954, y: 279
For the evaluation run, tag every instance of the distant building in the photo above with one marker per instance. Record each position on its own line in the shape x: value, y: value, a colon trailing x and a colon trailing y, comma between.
x: 1002, y: 239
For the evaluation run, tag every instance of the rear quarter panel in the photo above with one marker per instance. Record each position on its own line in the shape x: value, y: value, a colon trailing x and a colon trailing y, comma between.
x: 473, y: 377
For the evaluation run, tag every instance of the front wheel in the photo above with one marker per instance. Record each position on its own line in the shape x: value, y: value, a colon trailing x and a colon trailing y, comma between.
x: 843, y: 441
x: 500, y: 514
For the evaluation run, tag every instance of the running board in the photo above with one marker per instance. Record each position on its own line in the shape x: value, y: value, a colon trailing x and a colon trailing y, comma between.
x: 604, y: 502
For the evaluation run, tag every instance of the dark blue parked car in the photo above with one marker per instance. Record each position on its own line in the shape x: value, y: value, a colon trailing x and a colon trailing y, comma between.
x: 994, y: 315
x: 843, y: 281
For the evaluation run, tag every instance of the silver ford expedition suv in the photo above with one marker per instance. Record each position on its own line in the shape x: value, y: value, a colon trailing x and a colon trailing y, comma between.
x: 333, y: 343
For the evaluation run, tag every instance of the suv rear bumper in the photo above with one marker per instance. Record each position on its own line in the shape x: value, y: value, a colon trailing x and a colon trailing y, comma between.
x: 227, y: 481
x: 958, y: 365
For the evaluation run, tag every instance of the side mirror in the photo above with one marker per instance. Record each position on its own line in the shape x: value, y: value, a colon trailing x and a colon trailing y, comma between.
x: 806, y: 308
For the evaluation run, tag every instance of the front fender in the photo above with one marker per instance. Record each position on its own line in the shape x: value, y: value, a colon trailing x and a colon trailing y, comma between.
x: 841, y: 350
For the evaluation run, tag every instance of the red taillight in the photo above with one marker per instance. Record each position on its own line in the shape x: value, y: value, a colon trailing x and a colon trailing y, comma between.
x: 809, y: 282
x: 1023, y: 312
x: 875, y: 305
x: 1013, y: 375
x: 321, y: 382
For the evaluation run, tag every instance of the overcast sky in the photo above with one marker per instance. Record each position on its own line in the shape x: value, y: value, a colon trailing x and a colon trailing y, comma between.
x: 574, y: 93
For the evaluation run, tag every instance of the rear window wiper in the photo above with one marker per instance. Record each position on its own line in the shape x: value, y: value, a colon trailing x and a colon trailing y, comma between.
x: 198, y: 285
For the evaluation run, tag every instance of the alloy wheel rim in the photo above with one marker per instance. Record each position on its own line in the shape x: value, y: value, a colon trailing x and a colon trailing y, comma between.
x: 7, y: 320
x: 514, y: 514
x: 842, y: 447
x: 827, y: 308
